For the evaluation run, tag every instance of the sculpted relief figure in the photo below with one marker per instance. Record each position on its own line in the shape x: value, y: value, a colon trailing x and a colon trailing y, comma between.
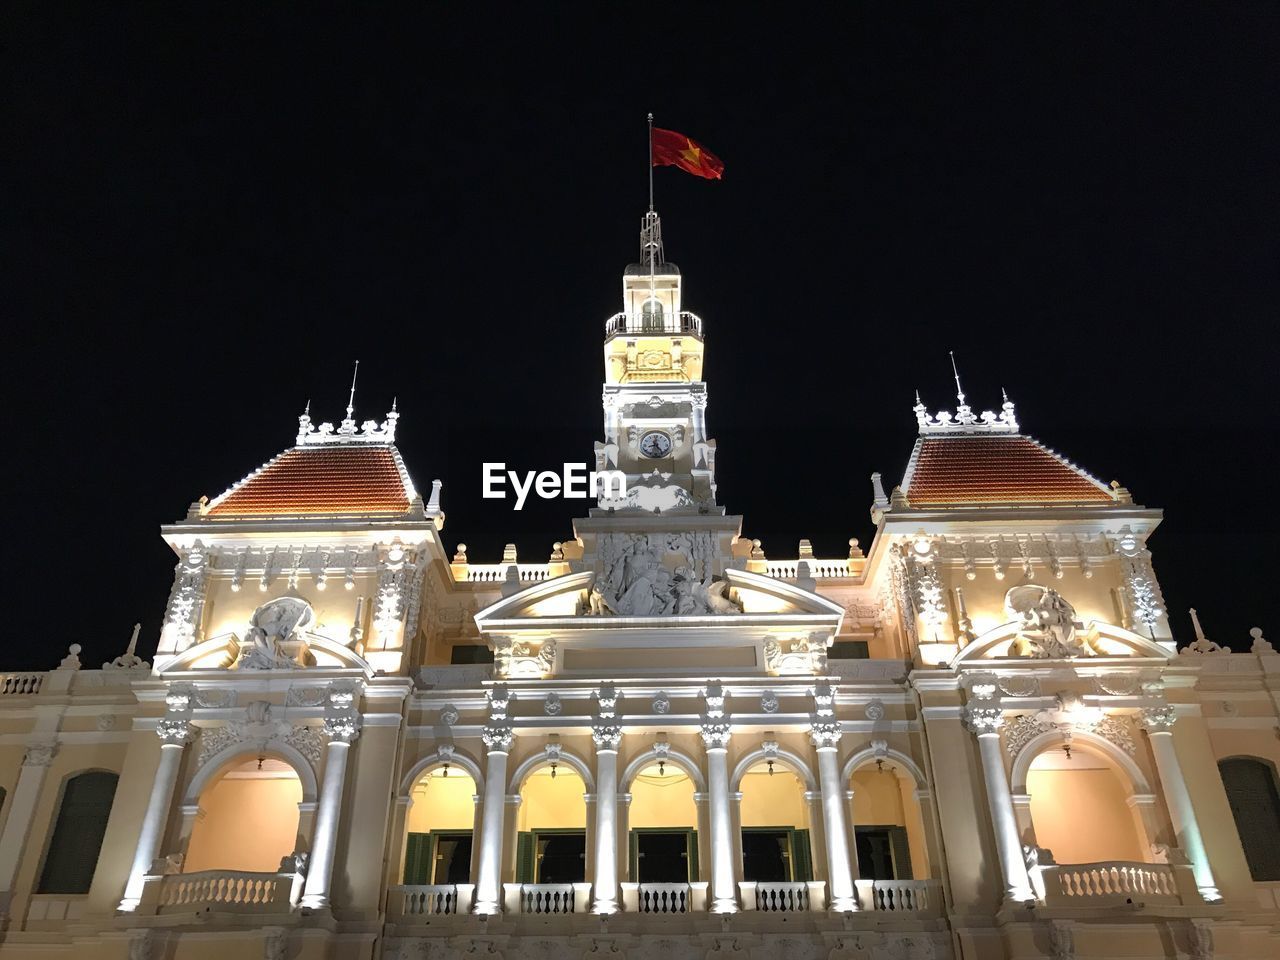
x: 634, y: 580
x: 1047, y: 624
x: 273, y: 624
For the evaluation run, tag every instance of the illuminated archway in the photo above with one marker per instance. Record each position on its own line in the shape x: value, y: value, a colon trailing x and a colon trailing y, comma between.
x: 662, y: 819
x: 774, y: 817
x: 1081, y: 804
x: 248, y: 817
x: 551, y: 825
x: 440, y: 825
x: 888, y: 820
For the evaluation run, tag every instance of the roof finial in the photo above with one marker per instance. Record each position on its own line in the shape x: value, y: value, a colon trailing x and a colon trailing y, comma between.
x: 351, y: 398
x: 964, y: 413
x: 349, y: 425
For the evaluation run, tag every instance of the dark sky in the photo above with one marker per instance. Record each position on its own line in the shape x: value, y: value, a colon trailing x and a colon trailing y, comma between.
x: 208, y: 214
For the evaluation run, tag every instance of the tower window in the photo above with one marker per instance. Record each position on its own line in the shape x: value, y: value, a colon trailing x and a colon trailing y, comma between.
x: 651, y: 315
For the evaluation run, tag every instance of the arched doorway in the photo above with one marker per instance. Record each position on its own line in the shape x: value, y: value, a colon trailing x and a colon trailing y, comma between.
x: 1079, y: 805
x: 888, y: 823
x: 440, y: 827
x: 663, y: 824
x: 248, y: 817
x: 774, y: 818
x: 551, y: 838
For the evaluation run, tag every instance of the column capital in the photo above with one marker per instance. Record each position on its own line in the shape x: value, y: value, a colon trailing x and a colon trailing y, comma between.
x: 40, y: 754
x: 716, y: 735
x: 497, y: 737
x: 607, y: 737
x: 174, y: 730
x: 824, y: 732
x: 1158, y: 719
x: 342, y: 727
x: 984, y: 720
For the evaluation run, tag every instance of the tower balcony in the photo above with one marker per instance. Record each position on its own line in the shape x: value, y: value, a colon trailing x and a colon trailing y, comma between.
x: 622, y: 323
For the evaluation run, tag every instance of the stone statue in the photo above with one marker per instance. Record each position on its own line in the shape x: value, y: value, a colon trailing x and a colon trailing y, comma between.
x: 272, y: 624
x: 1046, y: 624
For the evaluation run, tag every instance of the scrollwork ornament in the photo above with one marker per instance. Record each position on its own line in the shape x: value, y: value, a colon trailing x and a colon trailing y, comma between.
x: 1158, y: 719
x: 769, y: 702
x: 448, y: 714
x: 1117, y: 730
x: 552, y: 705
x: 661, y: 703
x: 308, y: 741
x: 874, y: 711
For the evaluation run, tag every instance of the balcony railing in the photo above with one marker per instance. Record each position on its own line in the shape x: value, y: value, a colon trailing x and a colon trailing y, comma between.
x: 546, y: 897
x: 238, y: 891
x: 818, y: 569
x: 664, y: 897
x: 429, y: 900
x: 1114, y: 882
x: 497, y: 572
x: 18, y: 684
x: 791, y: 896
x: 686, y: 322
x: 901, y: 896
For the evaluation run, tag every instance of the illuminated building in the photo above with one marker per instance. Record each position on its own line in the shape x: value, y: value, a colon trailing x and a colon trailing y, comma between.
x: 975, y: 739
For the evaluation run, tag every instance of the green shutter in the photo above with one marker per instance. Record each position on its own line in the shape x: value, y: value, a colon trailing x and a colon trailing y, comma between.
x: 901, y: 853
x: 801, y: 856
x: 693, y: 855
x: 417, y: 859
x: 525, y: 854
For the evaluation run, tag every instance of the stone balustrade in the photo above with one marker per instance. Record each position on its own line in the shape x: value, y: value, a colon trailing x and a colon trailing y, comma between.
x: 429, y: 900
x: 901, y: 896
x: 837, y: 569
x: 20, y: 684
x: 239, y: 891
x: 1113, y: 882
x: 779, y: 896
x: 497, y: 572
x: 664, y: 897
x: 546, y: 897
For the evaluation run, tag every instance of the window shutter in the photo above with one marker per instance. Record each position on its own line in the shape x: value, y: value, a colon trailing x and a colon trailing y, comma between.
x: 417, y: 859
x: 1255, y: 806
x: 901, y: 853
x: 693, y: 856
x: 72, y: 856
x: 524, y: 858
x: 801, y: 856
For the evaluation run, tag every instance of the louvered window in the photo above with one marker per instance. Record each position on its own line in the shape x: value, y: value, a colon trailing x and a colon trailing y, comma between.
x: 1255, y: 804
x: 77, y: 833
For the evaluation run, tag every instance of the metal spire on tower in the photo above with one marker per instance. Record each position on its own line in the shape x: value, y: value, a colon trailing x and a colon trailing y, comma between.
x: 349, y: 424
x: 964, y: 413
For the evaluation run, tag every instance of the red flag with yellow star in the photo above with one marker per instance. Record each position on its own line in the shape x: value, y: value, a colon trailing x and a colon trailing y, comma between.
x: 671, y: 149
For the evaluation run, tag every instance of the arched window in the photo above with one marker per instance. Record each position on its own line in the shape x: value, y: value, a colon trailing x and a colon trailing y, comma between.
x: 1255, y: 804
x: 77, y: 833
x: 651, y: 315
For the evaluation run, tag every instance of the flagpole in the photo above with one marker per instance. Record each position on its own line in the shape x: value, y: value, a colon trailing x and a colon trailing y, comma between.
x: 651, y: 163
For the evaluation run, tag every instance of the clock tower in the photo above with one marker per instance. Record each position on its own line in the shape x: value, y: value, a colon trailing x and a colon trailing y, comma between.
x: 654, y: 397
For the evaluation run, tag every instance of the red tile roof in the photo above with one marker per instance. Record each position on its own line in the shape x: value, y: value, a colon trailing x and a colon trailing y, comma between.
x: 334, y: 480
x: 964, y: 470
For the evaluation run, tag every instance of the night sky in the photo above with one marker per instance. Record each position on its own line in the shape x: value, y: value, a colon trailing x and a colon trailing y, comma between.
x: 210, y: 213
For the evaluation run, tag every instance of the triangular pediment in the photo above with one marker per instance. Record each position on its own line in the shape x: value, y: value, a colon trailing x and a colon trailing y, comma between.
x: 1096, y: 639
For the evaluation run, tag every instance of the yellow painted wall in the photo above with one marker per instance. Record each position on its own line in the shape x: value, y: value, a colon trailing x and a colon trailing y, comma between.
x: 247, y: 825
x: 553, y: 804
x: 443, y: 803
x: 876, y: 798
x: 1082, y: 816
x: 773, y: 801
x: 665, y: 801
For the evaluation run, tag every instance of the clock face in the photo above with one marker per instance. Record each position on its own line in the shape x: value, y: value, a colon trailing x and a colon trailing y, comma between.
x: 655, y: 445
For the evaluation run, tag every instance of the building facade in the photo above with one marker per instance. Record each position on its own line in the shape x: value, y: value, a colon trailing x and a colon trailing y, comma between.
x: 975, y: 739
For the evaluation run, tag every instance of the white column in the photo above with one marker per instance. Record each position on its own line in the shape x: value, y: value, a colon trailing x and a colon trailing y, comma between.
x: 22, y: 809
x: 825, y: 735
x: 173, y: 732
x: 1158, y: 722
x: 497, y: 737
x: 985, y: 722
x: 723, y: 895
x: 343, y: 728
x: 607, y: 738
